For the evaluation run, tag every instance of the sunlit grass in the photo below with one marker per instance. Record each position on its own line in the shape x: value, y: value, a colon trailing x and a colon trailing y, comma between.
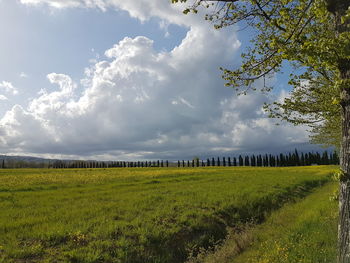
x: 303, y: 232
x: 136, y: 215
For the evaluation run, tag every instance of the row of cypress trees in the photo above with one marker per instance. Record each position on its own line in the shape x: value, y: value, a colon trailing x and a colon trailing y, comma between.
x: 267, y: 160
x: 101, y: 164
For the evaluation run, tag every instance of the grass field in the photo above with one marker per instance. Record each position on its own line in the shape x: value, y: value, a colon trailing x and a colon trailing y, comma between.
x: 300, y: 232
x: 137, y: 215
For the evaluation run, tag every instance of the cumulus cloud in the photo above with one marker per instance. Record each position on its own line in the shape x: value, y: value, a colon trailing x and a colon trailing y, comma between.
x: 3, y: 97
x: 59, y: 3
x: 8, y: 87
x: 141, y: 9
x: 140, y: 103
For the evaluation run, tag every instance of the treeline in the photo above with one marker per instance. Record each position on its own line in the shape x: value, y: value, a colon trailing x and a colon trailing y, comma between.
x: 109, y: 164
x: 265, y: 160
x: 14, y: 164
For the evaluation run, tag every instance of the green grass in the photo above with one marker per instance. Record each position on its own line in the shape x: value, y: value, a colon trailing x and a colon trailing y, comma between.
x: 136, y: 215
x: 303, y: 232
x: 300, y: 232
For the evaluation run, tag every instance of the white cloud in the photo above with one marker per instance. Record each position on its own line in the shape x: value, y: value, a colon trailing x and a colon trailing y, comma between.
x: 23, y: 75
x: 140, y: 9
x: 8, y: 87
x: 3, y: 97
x: 140, y: 103
x: 63, y: 3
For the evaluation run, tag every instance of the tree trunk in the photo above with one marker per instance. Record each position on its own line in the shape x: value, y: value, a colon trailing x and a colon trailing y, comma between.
x: 339, y: 8
x: 344, y: 188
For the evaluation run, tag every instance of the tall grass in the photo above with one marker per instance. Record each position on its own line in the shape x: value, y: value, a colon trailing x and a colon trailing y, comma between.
x: 303, y: 232
x: 136, y: 215
x: 300, y: 232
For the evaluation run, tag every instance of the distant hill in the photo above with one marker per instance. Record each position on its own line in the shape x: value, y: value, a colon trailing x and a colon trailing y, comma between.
x: 29, y: 159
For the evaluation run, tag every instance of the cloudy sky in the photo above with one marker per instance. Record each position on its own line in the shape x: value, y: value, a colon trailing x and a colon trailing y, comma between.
x: 116, y: 79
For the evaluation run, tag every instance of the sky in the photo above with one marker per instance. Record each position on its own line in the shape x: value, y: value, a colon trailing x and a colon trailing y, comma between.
x: 127, y: 80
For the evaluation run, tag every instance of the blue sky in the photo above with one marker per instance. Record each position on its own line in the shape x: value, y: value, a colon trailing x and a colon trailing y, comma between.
x: 39, y: 40
x: 126, y: 80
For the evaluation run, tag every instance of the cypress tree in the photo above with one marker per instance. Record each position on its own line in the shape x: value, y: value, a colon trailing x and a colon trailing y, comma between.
x: 289, y: 159
x: 240, y: 160
x: 266, y: 160
x: 229, y: 161
x: 258, y: 160
x: 234, y: 161
x: 271, y: 161
x: 213, y: 161
x: 302, y: 159
x: 252, y: 160
x: 218, y: 161
x: 282, y: 162
x: 306, y: 159
x: 246, y: 160
x: 208, y: 162
x: 223, y: 161
x: 297, y: 158
x: 324, y: 158
x: 318, y: 157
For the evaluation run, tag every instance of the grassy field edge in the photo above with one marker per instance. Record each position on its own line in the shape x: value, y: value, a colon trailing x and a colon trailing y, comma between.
x: 305, y: 231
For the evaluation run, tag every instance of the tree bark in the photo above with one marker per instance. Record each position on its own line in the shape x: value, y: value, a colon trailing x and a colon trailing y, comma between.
x: 344, y: 188
x: 338, y: 8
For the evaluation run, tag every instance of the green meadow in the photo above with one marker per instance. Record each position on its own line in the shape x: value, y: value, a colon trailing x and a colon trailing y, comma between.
x: 149, y: 214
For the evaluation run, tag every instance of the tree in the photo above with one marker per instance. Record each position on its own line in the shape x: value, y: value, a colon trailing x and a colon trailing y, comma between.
x: 240, y: 160
x: 315, y: 103
x: 310, y: 34
x: 196, y: 161
x: 327, y: 133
